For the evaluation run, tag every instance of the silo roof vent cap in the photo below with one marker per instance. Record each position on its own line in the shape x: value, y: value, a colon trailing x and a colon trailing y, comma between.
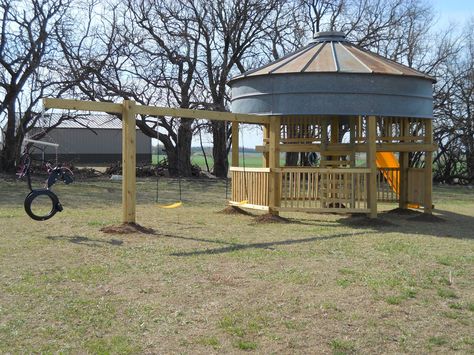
x: 329, y: 36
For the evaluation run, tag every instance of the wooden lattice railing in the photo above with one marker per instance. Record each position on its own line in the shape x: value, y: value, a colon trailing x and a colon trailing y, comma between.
x: 250, y: 187
x: 326, y: 190
x: 391, y: 130
x: 388, y: 184
x: 341, y: 190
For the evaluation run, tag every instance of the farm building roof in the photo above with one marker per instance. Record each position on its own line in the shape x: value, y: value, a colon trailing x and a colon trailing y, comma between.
x: 92, y: 121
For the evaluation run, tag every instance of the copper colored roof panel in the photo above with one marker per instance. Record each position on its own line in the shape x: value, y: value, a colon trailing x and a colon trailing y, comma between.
x: 299, y: 63
x: 331, y: 52
x: 376, y: 65
x: 324, y: 62
x: 271, y: 67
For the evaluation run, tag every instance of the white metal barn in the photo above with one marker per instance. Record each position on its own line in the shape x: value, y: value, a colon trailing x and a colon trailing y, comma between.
x: 89, y: 139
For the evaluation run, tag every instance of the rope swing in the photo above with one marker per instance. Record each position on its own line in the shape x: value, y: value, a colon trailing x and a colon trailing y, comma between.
x: 179, y: 203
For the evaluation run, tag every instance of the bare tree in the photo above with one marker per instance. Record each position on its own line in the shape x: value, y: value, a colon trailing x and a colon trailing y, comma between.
x: 145, y: 51
x: 230, y: 31
x: 27, y: 67
x: 454, y: 112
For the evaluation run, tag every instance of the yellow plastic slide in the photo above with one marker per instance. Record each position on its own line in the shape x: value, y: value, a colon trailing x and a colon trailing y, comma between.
x: 389, y: 160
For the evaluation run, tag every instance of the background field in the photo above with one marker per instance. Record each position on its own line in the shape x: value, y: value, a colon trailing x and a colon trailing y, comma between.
x: 252, y: 160
x: 208, y: 282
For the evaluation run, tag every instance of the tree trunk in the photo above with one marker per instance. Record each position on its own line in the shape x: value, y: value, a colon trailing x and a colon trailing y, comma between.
x: 470, y: 159
x: 219, y: 149
x: 12, y: 144
x: 179, y: 157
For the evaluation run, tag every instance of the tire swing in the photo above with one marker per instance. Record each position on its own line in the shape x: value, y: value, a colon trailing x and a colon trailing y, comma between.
x: 55, y: 204
x: 48, y: 200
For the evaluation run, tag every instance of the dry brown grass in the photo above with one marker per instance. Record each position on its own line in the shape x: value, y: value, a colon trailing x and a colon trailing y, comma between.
x: 210, y: 283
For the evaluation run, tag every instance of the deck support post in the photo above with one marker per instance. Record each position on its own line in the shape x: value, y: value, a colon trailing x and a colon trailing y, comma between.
x: 352, y: 135
x: 324, y: 141
x: 235, y: 144
x: 266, y: 137
x: 428, y: 176
x: 274, y: 164
x: 372, y: 165
x: 352, y: 138
x: 129, y: 163
x: 335, y: 130
x: 404, y: 165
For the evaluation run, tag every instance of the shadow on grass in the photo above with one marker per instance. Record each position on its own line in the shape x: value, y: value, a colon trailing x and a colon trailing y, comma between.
x: 453, y: 225
x: 264, y: 245
x: 443, y: 223
x: 76, y: 239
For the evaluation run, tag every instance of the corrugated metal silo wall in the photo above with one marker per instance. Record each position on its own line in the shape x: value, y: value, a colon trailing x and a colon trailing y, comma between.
x: 334, y: 94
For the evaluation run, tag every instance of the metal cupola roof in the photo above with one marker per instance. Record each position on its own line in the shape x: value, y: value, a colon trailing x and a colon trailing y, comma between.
x: 332, y: 76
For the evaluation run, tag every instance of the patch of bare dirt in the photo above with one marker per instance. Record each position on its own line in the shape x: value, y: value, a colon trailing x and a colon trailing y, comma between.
x: 427, y: 217
x: 233, y: 210
x: 403, y: 212
x: 271, y: 218
x: 127, y: 228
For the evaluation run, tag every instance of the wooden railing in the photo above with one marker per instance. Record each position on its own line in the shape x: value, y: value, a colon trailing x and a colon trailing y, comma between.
x: 250, y: 187
x: 415, y: 186
x: 324, y: 190
x: 388, y: 184
x: 341, y: 190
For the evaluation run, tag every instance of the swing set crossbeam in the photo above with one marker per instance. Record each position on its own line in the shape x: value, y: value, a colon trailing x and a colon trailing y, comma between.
x: 128, y: 110
x: 109, y: 107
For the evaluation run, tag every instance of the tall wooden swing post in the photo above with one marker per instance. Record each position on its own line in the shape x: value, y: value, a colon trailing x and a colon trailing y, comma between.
x: 129, y: 162
x: 235, y: 144
x: 128, y: 111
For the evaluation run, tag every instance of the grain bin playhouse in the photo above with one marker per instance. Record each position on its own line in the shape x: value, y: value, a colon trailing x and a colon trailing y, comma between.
x: 350, y: 117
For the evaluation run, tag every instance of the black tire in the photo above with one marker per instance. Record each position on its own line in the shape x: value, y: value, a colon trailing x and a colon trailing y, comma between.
x: 55, y: 204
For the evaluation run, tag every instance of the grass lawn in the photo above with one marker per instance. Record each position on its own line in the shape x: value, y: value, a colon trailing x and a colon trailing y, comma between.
x: 215, y: 283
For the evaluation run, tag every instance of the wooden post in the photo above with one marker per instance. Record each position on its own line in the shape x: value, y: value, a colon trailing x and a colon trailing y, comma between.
x: 235, y: 144
x: 266, y: 137
x: 274, y: 163
x: 372, y: 165
x: 335, y: 130
x: 352, y: 138
x: 359, y: 129
x: 404, y: 165
x: 128, y: 162
x: 324, y: 141
x: 428, y: 188
x: 352, y: 133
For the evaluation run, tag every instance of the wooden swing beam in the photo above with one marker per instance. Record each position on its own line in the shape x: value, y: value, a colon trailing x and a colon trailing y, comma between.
x: 129, y: 109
